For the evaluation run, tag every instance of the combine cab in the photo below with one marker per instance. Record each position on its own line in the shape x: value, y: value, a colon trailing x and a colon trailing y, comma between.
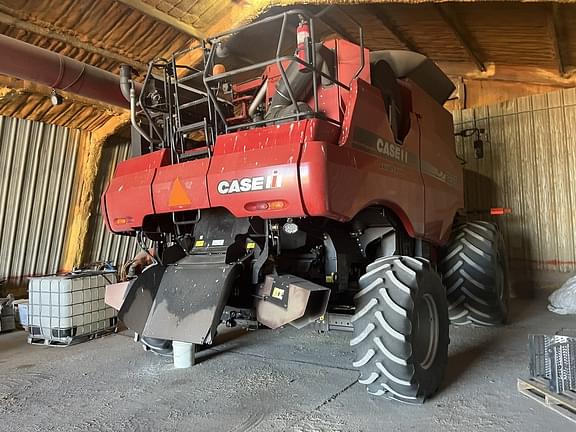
x: 318, y: 185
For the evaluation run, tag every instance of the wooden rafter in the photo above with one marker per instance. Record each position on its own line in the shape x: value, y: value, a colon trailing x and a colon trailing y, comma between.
x: 509, y: 73
x: 323, y: 13
x: 157, y: 14
x: 462, y: 34
x: 382, y: 16
x: 68, y: 40
x: 556, y: 32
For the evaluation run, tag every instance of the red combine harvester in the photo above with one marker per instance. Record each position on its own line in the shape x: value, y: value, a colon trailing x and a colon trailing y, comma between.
x: 320, y: 186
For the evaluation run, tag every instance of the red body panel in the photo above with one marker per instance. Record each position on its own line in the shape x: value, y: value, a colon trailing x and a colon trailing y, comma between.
x: 262, y: 152
x: 332, y: 98
x: 311, y: 167
x: 340, y: 180
x: 128, y: 196
x: 441, y: 169
x: 191, y: 176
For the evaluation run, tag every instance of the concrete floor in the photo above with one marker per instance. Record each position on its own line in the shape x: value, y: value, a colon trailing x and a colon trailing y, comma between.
x: 285, y: 380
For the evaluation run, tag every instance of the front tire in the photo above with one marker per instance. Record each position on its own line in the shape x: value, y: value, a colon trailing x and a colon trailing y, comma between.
x: 401, y: 329
x: 475, y: 273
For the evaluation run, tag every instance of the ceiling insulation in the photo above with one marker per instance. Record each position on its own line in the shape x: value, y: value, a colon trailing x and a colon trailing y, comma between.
x: 510, y: 41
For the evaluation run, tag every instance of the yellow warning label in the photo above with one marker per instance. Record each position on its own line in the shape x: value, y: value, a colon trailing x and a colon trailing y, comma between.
x: 278, y: 293
x: 250, y: 245
x: 199, y: 243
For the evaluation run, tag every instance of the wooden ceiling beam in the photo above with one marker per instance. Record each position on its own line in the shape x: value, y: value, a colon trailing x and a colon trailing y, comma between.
x: 461, y: 33
x: 510, y: 73
x: 157, y: 14
x: 337, y: 27
x: 322, y: 14
x: 557, y: 32
x: 392, y: 27
x: 28, y: 26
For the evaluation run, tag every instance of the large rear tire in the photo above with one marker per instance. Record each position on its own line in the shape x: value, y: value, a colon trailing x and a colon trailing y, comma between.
x: 401, y: 329
x: 475, y: 274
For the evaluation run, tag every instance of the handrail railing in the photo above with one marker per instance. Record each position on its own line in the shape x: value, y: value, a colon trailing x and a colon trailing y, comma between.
x: 171, y: 134
x: 165, y: 71
x: 279, y: 59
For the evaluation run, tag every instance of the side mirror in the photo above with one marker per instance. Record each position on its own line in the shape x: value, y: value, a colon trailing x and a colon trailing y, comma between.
x: 478, y: 143
x: 479, y: 149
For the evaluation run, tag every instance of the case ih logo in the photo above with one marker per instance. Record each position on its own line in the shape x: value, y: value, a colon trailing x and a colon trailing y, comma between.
x: 248, y: 184
x: 369, y: 141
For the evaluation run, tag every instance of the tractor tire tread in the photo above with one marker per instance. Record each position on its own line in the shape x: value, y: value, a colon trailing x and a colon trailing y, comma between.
x: 469, y: 269
x: 383, y: 330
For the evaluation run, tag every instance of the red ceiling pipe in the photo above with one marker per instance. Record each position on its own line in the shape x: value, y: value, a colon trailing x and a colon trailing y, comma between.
x: 29, y: 62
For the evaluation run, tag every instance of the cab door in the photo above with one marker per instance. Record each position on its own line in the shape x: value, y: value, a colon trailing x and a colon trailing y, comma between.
x: 440, y: 168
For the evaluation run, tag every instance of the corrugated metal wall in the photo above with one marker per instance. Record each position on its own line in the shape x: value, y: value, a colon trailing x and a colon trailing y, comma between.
x: 529, y: 166
x: 103, y: 245
x: 37, y: 166
x: 38, y: 187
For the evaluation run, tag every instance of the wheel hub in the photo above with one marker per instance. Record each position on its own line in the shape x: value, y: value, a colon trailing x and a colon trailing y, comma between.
x: 426, y: 332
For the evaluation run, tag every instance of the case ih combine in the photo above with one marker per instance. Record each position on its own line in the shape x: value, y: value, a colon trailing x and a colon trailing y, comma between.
x: 318, y: 186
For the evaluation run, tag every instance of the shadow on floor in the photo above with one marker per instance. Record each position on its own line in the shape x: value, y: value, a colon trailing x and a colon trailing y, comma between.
x: 463, y: 361
x: 226, y: 340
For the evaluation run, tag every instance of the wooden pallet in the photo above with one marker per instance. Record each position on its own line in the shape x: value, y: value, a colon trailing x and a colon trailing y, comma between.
x: 64, y: 342
x: 538, y: 390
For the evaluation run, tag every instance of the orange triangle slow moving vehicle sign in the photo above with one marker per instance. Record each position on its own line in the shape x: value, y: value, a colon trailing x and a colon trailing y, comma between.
x: 178, y: 196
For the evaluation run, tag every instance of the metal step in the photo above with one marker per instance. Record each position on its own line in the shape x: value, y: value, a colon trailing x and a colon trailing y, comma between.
x: 194, y: 153
x: 193, y: 103
x: 191, y: 127
x: 190, y: 89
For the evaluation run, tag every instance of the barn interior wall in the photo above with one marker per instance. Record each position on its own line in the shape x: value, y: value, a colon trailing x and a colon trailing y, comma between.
x: 51, y: 178
x: 101, y: 244
x: 38, y: 167
x: 528, y: 166
x: 478, y: 93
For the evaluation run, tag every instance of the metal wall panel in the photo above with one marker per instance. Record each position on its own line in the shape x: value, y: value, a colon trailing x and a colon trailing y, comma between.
x: 103, y: 245
x: 528, y: 166
x: 37, y: 166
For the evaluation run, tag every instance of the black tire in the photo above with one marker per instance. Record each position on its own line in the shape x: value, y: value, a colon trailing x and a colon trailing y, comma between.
x: 401, y: 329
x: 475, y: 274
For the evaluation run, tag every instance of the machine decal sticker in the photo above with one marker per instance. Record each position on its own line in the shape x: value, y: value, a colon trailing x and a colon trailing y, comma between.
x: 250, y: 184
x: 178, y: 196
x: 443, y: 176
x: 370, y: 142
x: 278, y: 293
x: 367, y: 141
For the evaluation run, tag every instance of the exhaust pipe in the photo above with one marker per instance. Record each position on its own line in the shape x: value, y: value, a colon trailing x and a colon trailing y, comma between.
x: 289, y: 299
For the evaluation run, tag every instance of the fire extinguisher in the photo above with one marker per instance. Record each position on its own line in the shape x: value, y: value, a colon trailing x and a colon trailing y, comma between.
x: 303, y: 43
